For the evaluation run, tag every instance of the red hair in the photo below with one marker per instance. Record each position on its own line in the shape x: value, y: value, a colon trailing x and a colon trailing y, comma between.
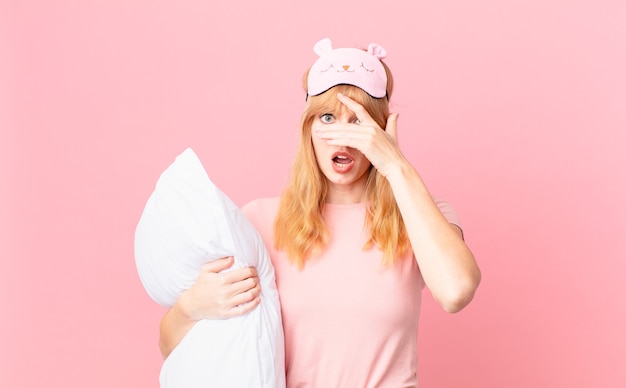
x: 299, y: 228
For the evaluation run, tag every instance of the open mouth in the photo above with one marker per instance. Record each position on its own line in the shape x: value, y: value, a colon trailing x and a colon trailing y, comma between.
x: 342, y: 160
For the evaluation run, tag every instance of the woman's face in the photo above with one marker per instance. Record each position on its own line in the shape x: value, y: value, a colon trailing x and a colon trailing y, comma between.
x: 346, y: 169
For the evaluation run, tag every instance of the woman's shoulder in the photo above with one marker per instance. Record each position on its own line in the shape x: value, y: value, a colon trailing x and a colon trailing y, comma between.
x: 262, y: 208
x: 262, y: 204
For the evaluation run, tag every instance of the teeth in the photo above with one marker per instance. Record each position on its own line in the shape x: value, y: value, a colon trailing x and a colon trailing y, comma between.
x: 341, y: 160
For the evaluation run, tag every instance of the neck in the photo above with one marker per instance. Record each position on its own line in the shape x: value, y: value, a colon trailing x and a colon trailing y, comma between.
x: 343, y: 194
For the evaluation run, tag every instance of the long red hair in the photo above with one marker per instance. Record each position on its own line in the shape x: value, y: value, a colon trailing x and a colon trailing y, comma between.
x: 299, y: 228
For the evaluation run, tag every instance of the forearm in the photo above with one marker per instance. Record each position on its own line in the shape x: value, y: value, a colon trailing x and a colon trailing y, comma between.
x: 445, y: 261
x: 175, y: 324
x: 214, y: 295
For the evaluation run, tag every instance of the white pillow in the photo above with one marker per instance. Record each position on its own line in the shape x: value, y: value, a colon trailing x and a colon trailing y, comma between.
x: 186, y: 223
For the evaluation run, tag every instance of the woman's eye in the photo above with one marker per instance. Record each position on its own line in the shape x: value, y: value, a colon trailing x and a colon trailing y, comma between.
x: 327, y: 118
x: 357, y: 121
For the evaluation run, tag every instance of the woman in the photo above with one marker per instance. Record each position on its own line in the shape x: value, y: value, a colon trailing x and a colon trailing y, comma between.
x: 353, y: 239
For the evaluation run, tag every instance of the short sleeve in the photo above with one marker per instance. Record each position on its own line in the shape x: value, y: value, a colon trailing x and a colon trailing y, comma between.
x: 448, y: 212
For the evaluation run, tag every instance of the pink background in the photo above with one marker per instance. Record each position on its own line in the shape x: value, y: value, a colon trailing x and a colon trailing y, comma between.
x: 515, y: 111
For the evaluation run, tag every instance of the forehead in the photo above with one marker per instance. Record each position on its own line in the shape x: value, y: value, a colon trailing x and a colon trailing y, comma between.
x: 343, y: 111
x: 338, y: 110
x: 328, y: 102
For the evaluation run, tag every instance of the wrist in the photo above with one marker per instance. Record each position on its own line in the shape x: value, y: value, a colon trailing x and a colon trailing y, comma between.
x: 183, y: 307
x: 399, y: 170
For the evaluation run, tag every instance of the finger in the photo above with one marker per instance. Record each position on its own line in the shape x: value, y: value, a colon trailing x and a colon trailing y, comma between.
x: 358, y: 109
x: 218, y: 265
x: 238, y: 275
x: 336, y: 130
x: 392, y: 126
x: 243, y: 285
x: 335, y: 139
x: 360, y: 140
x: 242, y: 309
x: 247, y: 296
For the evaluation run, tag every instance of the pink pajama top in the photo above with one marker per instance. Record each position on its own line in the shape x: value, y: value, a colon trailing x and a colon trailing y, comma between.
x: 348, y: 321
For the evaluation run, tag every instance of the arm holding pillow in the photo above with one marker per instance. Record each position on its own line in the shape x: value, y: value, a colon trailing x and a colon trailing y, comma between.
x: 199, y: 256
x: 214, y: 295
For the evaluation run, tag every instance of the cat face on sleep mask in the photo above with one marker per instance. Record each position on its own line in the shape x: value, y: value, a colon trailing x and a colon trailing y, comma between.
x: 349, y: 66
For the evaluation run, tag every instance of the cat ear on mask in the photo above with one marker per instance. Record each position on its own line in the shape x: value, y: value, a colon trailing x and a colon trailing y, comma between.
x: 322, y: 47
x: 377, y: 50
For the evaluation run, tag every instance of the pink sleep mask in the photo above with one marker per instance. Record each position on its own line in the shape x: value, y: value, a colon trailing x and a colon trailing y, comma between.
x: 348, y: 66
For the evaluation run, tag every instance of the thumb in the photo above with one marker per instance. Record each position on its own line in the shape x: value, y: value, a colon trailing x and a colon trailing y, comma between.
x: 218, y: 265
x: 392, y: 125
